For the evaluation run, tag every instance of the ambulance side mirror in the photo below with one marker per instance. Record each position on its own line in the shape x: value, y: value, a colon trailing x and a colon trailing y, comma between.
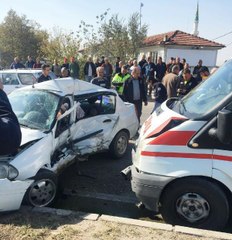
x: 223, y: 132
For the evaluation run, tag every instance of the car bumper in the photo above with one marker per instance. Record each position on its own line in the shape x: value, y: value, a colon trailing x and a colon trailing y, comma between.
x: 148, y: 187
x: 12, y: 193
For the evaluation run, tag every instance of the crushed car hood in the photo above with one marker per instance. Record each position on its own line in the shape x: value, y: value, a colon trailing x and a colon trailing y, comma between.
x: 29, y: 135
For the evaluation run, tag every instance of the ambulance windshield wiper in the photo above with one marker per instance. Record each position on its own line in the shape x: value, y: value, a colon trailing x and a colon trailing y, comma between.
x: 183, y: 105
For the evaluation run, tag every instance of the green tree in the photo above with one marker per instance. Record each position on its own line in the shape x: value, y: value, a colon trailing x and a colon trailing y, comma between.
x: 60, y: 44
x: 19, y: 37
x: 114, y: 37
x: 136, y: 34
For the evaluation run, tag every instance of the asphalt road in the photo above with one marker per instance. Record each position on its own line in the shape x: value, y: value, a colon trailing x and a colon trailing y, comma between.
x: 97, y: 186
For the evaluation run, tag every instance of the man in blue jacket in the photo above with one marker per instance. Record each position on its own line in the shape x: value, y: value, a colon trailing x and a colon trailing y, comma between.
x: 10, y: 133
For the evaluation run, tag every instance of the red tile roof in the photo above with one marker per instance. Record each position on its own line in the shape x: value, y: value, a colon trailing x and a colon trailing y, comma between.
x: 179, y: 38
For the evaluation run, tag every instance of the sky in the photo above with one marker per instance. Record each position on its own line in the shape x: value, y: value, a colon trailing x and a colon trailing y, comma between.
x: 215, y: 18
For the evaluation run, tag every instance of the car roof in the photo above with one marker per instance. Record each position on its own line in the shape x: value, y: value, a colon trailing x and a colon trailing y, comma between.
x: 65, y: 86
x: 21, y: 71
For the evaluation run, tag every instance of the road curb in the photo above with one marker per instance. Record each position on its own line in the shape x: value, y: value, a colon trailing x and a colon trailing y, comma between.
x: 135, y: 222
x: 140, y: 223
x: 64, y: 213
x: 202, y: 232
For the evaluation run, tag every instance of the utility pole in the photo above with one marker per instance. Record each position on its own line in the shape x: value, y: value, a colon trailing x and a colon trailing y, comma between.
x: 140, y: 14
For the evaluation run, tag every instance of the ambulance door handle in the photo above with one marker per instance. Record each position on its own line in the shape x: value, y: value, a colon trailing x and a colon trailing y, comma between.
x: 107, y: 120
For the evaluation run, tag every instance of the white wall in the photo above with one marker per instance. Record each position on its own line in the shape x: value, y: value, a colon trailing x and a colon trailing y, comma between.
x: 192, y: 56
x: 148, y: 50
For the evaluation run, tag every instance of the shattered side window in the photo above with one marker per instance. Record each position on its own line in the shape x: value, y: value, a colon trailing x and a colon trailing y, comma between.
x: 98, y: 104
x: 34, y: 109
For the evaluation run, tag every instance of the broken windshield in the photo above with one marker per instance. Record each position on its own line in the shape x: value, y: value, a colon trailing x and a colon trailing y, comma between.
x: 34, y: 108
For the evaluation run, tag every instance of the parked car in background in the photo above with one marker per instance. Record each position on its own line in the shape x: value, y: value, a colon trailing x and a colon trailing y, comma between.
x: 60, y: 120
x: 17, y: 78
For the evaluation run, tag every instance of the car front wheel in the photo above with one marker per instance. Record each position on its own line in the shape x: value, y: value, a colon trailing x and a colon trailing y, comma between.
x: 119, y: 144
x: 195, y: 202
x: 43, y: 190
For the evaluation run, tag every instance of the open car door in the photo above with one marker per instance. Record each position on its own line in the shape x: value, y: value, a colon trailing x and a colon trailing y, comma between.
x: 93, y: 132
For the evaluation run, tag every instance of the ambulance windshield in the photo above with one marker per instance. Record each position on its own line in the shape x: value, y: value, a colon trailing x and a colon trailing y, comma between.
x: 207, y: 95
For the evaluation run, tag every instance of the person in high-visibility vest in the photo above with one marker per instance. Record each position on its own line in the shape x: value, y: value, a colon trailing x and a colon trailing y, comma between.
x: 119, y: 79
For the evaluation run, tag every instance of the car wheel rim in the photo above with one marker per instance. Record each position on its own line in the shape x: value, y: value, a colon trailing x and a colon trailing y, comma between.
x: 42, y: 192
x: 122, y: 145
x: 192, y: 207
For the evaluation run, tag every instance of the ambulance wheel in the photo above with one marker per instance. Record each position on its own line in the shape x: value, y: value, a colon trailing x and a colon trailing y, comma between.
x: 195, y: 202
x: 119, y: 144
x: 43, y: 190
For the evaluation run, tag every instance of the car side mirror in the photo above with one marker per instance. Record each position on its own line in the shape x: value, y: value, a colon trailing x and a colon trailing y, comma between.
x: 223, y: 132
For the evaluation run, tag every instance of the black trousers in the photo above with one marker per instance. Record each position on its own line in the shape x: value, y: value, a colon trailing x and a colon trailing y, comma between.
x: 138, y: 108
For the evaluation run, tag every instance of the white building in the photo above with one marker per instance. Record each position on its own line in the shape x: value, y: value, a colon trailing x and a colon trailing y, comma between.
x: 183, y: 45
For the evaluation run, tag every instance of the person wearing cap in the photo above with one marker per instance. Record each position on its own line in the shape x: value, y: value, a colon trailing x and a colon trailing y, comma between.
x: 187, y: 83
x: 10, y: 137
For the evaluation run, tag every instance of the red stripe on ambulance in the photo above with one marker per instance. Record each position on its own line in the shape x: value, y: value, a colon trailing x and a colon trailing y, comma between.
x: 173, y: 138
x: 187, y: 155
x: 176, y: 155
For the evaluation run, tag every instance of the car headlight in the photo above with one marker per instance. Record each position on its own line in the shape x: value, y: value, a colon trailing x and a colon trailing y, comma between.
x: 8, y: 171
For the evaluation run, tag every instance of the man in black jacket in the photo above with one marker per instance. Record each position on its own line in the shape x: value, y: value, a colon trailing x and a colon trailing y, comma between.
x: 10, y: 133
x: 160, y: 95
x: 45, y: 73
x: 187, y: 83
x: 134, y: 91
x: 89, y: 70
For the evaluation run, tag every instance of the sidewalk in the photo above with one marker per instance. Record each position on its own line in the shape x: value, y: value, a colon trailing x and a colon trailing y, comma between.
x: 48, y: 223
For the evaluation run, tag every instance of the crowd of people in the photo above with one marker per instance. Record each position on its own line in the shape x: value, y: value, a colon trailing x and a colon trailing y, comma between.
x: 134, y: 81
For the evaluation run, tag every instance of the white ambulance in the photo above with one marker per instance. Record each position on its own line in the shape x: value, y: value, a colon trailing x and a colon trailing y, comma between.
x: 182, y: 166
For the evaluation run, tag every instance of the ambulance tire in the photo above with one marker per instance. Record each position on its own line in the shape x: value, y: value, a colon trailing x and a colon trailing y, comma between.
x: 119, y: 144
x: 43, y: 191
x: 195, y: 202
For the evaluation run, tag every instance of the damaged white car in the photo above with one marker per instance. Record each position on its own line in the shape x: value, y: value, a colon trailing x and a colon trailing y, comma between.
x: 60, y: 120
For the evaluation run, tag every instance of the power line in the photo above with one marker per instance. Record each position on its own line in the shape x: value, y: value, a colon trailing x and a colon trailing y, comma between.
x: 228, y: 44
x: 222, y: 36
